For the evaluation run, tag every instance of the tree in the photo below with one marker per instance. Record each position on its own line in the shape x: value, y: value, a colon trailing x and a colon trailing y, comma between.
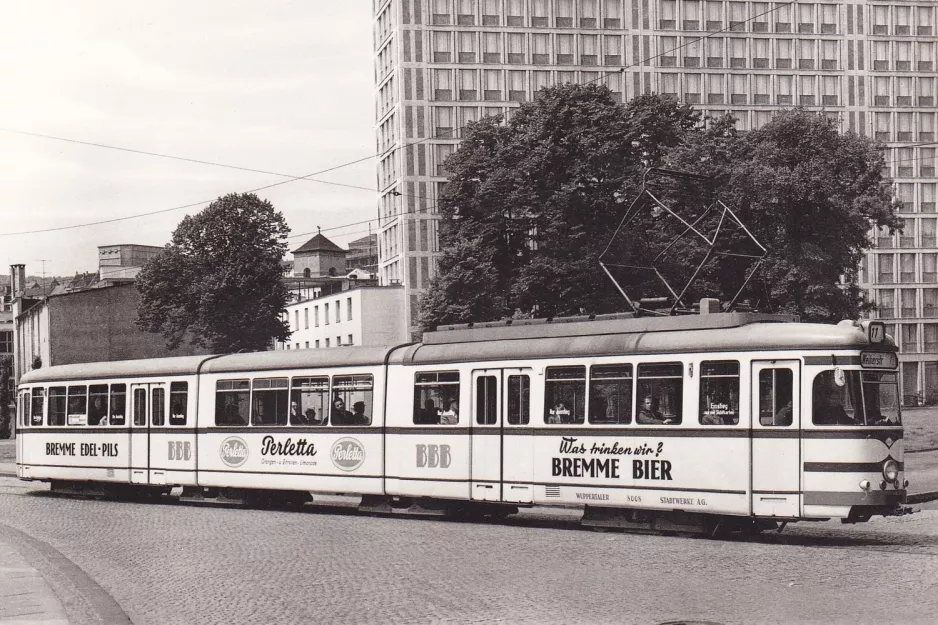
x: 218, y: 282
x: 531, y: 204
x: 6, y: 371
x: 809, y: 193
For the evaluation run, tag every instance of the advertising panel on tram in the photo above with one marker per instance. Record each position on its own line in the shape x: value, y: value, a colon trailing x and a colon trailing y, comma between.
x: 301, y: 429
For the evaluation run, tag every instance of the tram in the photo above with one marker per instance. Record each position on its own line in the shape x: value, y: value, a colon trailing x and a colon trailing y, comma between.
x: 697, y: 422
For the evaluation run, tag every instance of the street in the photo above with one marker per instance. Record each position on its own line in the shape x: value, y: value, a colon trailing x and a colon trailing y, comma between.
x: 164, y: 564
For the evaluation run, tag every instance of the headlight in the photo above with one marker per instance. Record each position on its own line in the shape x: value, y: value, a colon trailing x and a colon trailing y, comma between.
x: 891, y: 470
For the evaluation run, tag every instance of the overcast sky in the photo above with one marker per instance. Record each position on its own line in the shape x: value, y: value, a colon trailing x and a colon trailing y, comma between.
x: 283, y: 87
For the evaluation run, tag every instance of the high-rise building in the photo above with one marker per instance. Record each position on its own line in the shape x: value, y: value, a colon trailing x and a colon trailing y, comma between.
x: 869, y: 64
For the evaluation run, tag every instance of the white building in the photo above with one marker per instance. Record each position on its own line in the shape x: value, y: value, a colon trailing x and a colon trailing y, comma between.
x: 364, y: 316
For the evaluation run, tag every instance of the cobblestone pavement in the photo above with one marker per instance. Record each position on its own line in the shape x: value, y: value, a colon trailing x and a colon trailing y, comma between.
x: 166, y: 564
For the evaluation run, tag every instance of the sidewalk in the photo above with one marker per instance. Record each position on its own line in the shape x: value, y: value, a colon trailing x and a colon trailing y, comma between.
x: 25, y: 596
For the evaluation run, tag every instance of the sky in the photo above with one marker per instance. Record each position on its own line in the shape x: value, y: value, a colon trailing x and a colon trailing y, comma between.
x: 283, y: 87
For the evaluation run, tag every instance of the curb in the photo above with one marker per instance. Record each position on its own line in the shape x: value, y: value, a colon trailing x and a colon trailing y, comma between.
x: 82, y: 599
x: 920, y: 451
x: 922, y: 497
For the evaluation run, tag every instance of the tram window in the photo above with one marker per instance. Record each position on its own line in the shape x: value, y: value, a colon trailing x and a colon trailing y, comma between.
x: 355, y: 392
x: 610, y: 394
x: 270, y: 405
x: 660, y: 393
x: 719, y: 392
x: 118, y: 403
x: 881, y: 398
x: 57, y: 404
x: 23, y: 410
x: 140, y: 406
x: 178, y: 402
x: 486, y: 400
x: 833, y: 404
x: 776, y: 388
x: 232, y: 402
x: 97, y: 404
x: 77, y: 405
x: 843, y: 404
x: 436, y: 393
x: 38, y: 406
x: 309, y: 401
x: 519, y: 399
x: 158, y: 409
x: 565, y: 395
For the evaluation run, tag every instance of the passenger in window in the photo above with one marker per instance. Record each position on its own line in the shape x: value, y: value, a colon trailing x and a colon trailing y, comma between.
x: 649, y: 413
x: 231, y: 415
x: 97, y: 414
x: 783, y: 416
x: 450, y: 416
x: 297, y: 417
x: 340, y: 416
x: 358, y: 414
x: 830, y: 411
x: 430, y: 413
x: 560, y: 413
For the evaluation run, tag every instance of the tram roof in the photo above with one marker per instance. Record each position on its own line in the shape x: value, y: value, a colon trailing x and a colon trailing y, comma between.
x: 297, y: 359
x: 178, y: 365
x: 724, y: 332
x: 189, y: 365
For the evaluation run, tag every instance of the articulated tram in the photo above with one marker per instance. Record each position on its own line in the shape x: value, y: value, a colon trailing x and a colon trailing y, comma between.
x: 662, y: 423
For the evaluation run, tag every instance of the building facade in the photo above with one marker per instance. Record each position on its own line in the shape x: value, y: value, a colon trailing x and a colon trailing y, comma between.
x: 363, y: 255
x: 870, y: 64
x: 87, y: 326
x: 364, y: 316
x: 124, y: 261
x: 319, y: 257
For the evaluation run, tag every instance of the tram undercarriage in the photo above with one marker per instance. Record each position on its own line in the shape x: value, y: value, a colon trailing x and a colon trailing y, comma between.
x: 630, y: 520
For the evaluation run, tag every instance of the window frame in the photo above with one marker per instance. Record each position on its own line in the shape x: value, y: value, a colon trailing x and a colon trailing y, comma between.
x: 574, y: 414
x: 711, y: 375
x: 627, y: 374
x: 232, y: 386
x: 434, y: 382
x: 640, y: 394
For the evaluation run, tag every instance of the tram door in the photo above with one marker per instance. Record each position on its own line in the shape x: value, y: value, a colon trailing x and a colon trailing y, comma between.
x: 140, y: 403
x: 776, y: 438
x: 502, y: 462
x: 486, y: 444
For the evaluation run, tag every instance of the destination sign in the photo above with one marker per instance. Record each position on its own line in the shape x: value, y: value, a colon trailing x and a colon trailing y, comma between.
x: 882, y: 360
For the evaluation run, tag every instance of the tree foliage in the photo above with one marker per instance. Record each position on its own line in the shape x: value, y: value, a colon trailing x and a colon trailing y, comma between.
x: 532, y: 205
x: 218, y: 283
x: 809, y: 193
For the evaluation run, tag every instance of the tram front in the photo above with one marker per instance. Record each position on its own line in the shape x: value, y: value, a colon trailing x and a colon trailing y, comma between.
x: 852, y: 440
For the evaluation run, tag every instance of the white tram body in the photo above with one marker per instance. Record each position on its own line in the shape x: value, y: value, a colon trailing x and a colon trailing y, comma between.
x: 747, y: 417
